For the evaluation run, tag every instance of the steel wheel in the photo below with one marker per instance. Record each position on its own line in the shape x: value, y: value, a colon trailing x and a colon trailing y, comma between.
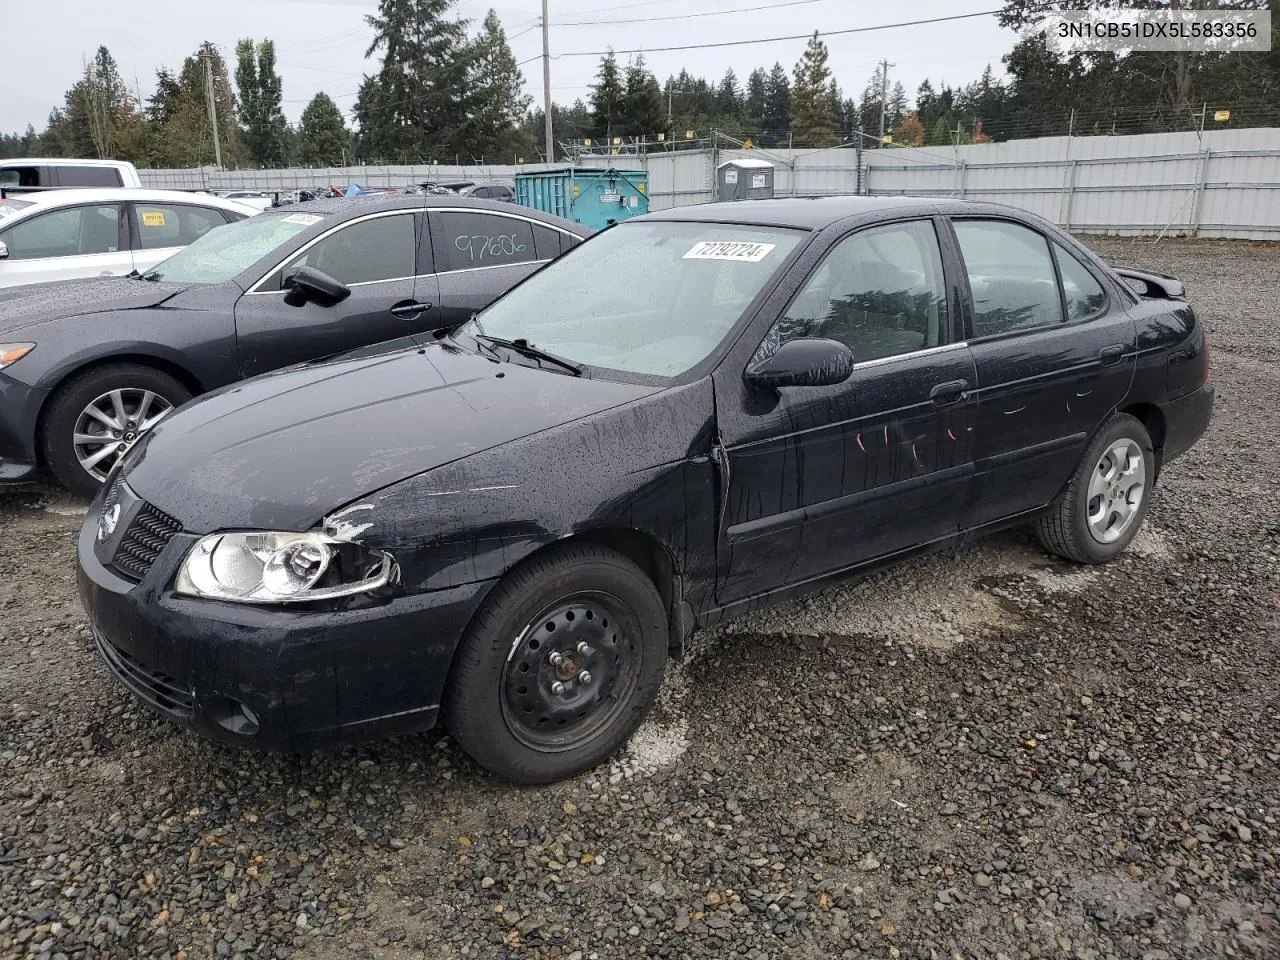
x: 1116, y: 488
x: 570, y: 671
x: 112, y: 423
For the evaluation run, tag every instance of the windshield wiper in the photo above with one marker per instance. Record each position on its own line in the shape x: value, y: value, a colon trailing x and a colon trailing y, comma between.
x: 526, y: 349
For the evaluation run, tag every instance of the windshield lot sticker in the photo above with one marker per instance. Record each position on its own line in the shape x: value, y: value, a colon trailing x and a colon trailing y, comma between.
x: 739, y: 250
x: 152, y: 218
x: 306, y: 219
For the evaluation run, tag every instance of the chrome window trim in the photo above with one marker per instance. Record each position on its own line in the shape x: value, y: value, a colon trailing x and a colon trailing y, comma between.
x: 881, y: 361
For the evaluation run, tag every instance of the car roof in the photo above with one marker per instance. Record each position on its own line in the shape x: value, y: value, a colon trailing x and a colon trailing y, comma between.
x: 815, y: 213
x: 46, y: 199
x: 417, y: 201
x: 61, y: 161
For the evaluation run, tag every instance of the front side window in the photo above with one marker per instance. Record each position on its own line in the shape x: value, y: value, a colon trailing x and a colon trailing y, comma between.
x: 1010, y: 275
x: 652, y: 298
x: 163, y: 225
x: 1083, y: 294
x: 71, y: 232
x: 465, y: 241
x: 225, y: 253
x: 881, y: 292
x: 367, y: 251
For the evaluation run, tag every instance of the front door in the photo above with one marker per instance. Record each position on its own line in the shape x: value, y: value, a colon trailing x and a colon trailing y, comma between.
x: 822, y: 479
x: 91, y: 240
x: 376, y: 257
x: 1054, y: 355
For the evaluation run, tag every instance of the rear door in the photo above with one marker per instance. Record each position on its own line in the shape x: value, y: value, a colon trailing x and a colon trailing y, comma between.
x: 481, y: 254
x: 88, y: 240
x: 1054, y: 356
x: 160, y: 230
x: 822, y: 479
x: 376, y: 257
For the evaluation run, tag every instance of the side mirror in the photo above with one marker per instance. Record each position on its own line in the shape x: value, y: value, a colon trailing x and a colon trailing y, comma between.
x: 4, y: 251
x: 805, y: 362
x: 308, y: 283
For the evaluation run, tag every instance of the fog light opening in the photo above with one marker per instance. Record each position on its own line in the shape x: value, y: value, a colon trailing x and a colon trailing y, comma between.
x: 234, y: 717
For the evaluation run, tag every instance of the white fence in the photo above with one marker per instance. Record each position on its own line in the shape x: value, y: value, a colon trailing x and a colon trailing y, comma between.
x: 1217, y: 184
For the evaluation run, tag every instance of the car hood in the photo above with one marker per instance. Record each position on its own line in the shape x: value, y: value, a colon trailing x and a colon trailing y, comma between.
x: 281, y: 451
x: 32, y: 304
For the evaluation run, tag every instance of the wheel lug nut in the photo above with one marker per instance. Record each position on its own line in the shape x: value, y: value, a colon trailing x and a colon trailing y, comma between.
x: 556, y: 659
x: 584, y: 677
x: 584, y: 649
x: 557, y: 688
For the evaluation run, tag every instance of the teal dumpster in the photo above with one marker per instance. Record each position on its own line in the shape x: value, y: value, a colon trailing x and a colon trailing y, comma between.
x: 592, y: 196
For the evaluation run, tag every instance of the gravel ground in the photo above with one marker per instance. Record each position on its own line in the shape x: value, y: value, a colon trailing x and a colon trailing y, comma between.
x: 985, y: 754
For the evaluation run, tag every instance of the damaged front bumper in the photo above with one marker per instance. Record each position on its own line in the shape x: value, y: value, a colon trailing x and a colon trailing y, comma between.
x: 278, y: 679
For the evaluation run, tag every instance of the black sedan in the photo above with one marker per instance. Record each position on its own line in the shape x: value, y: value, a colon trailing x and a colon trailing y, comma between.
x: 692, y: 414
x: 89, y: 366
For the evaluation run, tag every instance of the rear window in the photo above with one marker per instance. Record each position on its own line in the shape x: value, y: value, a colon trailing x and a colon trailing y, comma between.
x: 88, y: 177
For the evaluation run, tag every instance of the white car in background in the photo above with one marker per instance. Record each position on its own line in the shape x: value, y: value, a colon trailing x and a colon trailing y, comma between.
x: 250, y: 198
x: 109, y: 232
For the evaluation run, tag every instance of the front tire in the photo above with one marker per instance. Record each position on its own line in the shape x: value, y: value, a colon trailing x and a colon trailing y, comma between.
x: 559, y: 667
x: 1103, y: 506
x: 97, y: 416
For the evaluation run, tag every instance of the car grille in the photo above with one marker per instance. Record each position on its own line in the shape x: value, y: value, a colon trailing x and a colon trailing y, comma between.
x: 156, y: 689
x: 148, y: 534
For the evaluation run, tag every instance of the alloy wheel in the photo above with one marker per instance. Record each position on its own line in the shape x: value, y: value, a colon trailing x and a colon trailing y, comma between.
x: 114, y: 422
x: 1116, y: 489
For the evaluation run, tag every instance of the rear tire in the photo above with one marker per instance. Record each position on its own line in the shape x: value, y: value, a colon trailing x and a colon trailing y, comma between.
x: 1103, y: 506
x: 559, y: 667
x: 79, y: 447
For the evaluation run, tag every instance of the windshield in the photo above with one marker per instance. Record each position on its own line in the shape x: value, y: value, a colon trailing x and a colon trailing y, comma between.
x: 227, y: 252
x: 9, y: 206
x: 647, y: 297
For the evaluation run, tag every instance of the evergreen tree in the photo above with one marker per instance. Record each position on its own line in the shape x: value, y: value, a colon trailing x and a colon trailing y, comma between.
x: 756, y: 100
x: 500, y: 101
x: 418, y: 103
x: 729, y: 101
x: 260, y: 87
x: 940, y: 135
x: 642, y: 108
x: 777, y: 105
x: 606, y: 99
x: 813, y: 114
x: 323, y: 139
x: 164, y: 102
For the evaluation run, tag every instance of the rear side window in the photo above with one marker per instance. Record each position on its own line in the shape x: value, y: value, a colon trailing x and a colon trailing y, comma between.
x: 71, y: 232
x: 546, y: 243
x: 364, y: 252
x: 465, y: 241
x: 163, y: 225
x: 880, y: 292
x: 1082, y: 292
x: 1011, y: 277
x: 21, y: 177
x: 88, y: 177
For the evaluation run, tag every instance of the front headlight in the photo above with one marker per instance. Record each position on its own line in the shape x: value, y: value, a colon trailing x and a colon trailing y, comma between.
x: 13, y: 352
x: 281, y: 568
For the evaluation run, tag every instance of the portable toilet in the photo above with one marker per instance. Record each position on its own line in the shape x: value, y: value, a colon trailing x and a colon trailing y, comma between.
x: 595, y: 197
x: 744, y: 179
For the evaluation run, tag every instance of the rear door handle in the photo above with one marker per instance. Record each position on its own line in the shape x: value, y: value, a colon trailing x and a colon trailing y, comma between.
x: 409, y: 309
x: 1110, y: 356
x: 950, y: 392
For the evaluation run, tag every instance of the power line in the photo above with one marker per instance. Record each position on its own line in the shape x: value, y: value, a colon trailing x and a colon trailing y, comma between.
x: 684, y: 16
x: 796, y: 36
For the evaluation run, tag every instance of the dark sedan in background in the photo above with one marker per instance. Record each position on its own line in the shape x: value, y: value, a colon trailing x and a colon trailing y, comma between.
x: 87, y: 367
x: 692, y: 414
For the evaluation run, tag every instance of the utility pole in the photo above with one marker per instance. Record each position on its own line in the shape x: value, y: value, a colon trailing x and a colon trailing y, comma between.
x: 546, y: 84
x: 884, y: 94
x: 213, y: 105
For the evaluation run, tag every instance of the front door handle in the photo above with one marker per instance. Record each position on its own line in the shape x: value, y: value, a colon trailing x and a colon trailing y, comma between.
x: 947, y: 393
x: 409, y: 309
x: 1110, y: 356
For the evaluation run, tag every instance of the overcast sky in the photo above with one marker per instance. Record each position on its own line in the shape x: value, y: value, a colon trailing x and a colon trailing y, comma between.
x: 320, y: 44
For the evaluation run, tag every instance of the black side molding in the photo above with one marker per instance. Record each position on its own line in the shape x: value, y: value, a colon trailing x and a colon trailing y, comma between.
x: 1157, y: 284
